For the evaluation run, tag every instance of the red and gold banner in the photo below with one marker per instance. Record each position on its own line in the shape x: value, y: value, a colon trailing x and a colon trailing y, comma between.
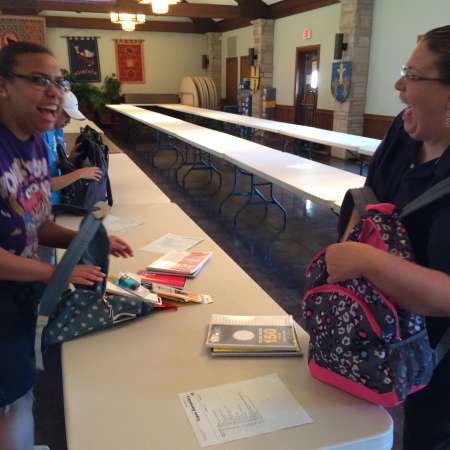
x: 21, y: 28
x: 130, y: 60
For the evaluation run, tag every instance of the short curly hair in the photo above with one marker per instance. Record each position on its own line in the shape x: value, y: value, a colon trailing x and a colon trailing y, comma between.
x: 9, y: 54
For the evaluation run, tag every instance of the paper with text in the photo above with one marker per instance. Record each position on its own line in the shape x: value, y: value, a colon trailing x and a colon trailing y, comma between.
x: 170, y: 242
x: 114, y: 223
x: 239, y: 410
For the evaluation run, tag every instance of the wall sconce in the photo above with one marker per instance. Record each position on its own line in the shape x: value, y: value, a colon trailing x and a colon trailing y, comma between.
x: 339, y: 45
x: 252, y: 56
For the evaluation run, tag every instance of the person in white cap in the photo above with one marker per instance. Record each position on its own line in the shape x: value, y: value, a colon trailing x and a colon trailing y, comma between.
x: 56, y: 136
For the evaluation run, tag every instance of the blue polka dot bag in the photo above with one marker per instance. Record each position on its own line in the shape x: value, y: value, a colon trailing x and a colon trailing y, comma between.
x: 67, y: 313
x: 361, y: 341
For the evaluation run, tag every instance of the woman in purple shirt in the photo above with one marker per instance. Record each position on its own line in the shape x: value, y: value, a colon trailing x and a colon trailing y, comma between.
x: 31, y: 91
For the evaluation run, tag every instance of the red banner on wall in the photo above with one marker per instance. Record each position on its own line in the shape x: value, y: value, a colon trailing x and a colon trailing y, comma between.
x: 130, y: 60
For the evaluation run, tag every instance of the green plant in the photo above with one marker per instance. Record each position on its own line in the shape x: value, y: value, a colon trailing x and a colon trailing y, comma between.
x: 92, y: 98
x: 111, y: 89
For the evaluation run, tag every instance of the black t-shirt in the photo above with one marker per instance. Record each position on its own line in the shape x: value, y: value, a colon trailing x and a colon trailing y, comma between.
x: 396, y: 177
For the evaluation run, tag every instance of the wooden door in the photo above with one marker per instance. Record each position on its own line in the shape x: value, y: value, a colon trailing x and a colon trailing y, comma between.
x: 245, y: 68
x: 231, y: 80
x: 306, y: 85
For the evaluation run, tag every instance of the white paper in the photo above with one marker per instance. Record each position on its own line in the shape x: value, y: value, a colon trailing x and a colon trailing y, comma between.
x: 239, y: 410
x: 170, y: 242
x: 114, y: 223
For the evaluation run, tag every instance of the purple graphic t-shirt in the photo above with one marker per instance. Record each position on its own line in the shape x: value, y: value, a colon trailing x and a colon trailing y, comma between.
x: 24, y: 192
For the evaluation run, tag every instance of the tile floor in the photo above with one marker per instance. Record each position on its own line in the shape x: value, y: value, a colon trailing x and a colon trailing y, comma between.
x: 274, y: 258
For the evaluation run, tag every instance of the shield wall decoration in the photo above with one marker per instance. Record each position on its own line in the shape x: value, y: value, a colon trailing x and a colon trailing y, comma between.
x: 341, y: 80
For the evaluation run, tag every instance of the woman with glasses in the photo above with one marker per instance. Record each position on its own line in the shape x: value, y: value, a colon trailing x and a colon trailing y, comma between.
x: 31, y: 93
x: 415, y: 155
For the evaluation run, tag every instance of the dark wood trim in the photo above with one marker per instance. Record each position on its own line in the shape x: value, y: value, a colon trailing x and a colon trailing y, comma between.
x: 254, y: 9
x: 276, y: 11
x: 105, y: 24
x: 298, y: 52
x: 324, y: 119
x: 180, y: 10
x: 376, y: 126
x: 285, y: 113
x: 203, y: 25
x: 290, y: 7
x: 232, y: 24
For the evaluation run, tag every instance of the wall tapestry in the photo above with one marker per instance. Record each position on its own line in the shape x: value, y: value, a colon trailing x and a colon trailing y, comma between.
x: 83, y: 58
x: 130, y: 60
x: 21, y: 28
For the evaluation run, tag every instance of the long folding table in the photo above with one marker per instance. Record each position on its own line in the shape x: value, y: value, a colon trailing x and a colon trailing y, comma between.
x: 121, y: 386
x: 315, y: 181
x: 130, y: 184
x: 359, y: 144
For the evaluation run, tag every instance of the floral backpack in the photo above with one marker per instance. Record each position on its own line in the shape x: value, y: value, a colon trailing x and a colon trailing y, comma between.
x: 360, y: 341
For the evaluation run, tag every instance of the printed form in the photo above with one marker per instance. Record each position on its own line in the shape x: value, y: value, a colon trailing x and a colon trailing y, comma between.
x: 238, y: 410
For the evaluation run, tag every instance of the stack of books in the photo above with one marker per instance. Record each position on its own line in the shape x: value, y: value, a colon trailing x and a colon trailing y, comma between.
x: 186, y: 264
x: 230, y: 335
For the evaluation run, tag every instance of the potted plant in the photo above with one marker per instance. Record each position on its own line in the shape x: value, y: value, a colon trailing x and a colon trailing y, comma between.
x: 92, y: 99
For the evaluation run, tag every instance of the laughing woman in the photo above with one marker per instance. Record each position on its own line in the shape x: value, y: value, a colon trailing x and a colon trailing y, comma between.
x: 414, y: 156
x: 31, y: 91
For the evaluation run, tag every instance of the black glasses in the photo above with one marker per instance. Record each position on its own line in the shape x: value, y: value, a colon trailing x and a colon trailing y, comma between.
x: 405, y: 72
x: 43, y: 82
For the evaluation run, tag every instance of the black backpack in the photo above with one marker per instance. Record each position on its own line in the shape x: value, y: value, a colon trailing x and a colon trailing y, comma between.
x: 82, y: 195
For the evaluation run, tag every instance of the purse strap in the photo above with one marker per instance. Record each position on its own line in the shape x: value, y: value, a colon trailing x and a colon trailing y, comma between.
x: 60, y: 278
x: 431, y: 195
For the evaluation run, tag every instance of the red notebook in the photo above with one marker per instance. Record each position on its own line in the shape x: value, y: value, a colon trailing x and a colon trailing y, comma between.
x: 162, y: 278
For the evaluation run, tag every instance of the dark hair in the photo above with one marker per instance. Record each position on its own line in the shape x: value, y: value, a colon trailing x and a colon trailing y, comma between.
x: 9, y: 54
x: 438, y: 41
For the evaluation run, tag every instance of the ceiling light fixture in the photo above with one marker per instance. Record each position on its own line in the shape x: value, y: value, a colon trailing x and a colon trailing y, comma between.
x: 127, y: 20
x: 159, y: 6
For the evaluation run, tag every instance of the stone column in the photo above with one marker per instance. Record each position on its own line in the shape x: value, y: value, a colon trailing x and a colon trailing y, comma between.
x: 356, y: 24
x: 215, y: 61
x: 263, y: 30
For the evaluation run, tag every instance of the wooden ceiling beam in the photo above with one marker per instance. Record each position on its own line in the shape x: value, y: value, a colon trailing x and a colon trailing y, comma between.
x: 106, y: 24
x: 20, y: 11
x: 254, y: 9
x: 204, y: 25
x: 180, y: 10
x: 290, y: 7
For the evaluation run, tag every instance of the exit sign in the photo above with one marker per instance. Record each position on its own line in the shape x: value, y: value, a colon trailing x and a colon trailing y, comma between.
x: 307, y: 33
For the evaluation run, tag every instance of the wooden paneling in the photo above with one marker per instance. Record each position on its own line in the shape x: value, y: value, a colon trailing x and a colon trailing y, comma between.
x: 376, y: 126
x: 285, y: 113
x: 244, y: 71
x: 324, y: 119
x: 231, y: 80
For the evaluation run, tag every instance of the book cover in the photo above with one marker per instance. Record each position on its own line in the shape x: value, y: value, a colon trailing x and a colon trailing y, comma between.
x: 180, y: 263
x: 264, y: 333
x: 161, y: 278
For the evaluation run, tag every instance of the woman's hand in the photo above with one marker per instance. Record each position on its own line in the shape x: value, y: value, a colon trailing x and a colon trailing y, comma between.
x: 118, y: 247
x: 89, y: 173
x: 348, y: 260
x: 86, y: 275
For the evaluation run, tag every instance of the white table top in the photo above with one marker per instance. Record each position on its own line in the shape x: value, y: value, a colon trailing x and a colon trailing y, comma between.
x: 130, y: 184
x: 360, y: 144
x: 319, y: 182
x: 73, y: 127
x: 121, y: 385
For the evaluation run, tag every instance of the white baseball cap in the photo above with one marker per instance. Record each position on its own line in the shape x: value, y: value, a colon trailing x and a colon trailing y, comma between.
x: 70, y: 106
